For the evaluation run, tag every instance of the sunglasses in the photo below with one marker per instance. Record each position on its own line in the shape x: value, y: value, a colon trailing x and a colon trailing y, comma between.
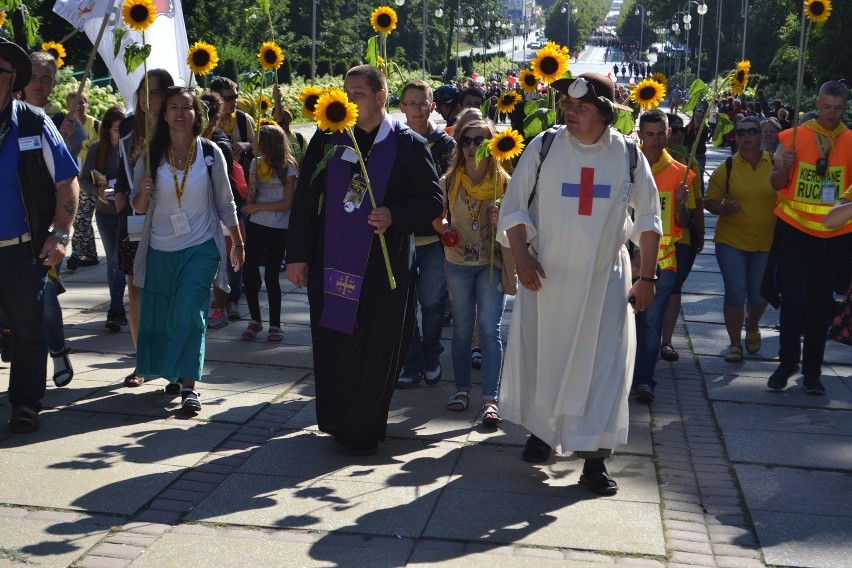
x: 230, y: 98
x: 467, y: 141
x: 747, y: 131
x: 676, y: 129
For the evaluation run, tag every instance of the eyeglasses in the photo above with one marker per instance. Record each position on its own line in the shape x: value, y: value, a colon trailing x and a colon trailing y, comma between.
x: 747, y: 131
x: 417, y: 106
x: 41, y: 79
x: 467, y: 141
x: 676, y: 129
x: 230, y: 98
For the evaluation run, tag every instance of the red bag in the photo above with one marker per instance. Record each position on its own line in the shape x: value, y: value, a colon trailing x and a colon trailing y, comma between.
x: 238, y: 179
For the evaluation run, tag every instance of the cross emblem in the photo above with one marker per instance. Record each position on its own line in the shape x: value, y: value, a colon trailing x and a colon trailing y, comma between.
x: 586, y: 190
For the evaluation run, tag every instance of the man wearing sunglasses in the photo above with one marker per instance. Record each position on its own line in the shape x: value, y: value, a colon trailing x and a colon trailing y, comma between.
x: 806, y: 256
x: 37, y: 208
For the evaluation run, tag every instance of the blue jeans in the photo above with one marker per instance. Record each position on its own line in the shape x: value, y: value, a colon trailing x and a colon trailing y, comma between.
x: 425, y: 350
x: 22, y: 285
x: 116, y: 280
x: 649, y: 329
x: 473, y: 294
x: 742, y: 272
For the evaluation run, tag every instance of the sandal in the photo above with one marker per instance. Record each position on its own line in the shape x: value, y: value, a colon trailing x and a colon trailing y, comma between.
x: 133, y: 381
x: 459, y: 401
x: 24, y: 420
x: 490, y: 414
x: 753, y: 341
x: 668, y: 353
x: 63, y: 372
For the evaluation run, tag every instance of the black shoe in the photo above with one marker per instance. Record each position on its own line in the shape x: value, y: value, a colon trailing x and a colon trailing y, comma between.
x: 778, y: 379
x: 72, y: 263
x: 536, y: 450
x: 112, y: 324
x: 596, y: 478
x: 189, y: 400
x: 173, y: 388
x: 645, y: 393
x: 813, y: 385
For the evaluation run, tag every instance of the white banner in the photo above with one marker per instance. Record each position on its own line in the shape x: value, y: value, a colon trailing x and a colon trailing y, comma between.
x: 166, y: 36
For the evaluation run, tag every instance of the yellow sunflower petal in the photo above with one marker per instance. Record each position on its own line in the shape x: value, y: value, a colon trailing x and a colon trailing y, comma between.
x: 2, y: 17
x: 739, y: 78
x: 270, y: 56
x: 549, y: 64
x: 817, y: 11
x: 54, y: 48
x: 309, y: 97
x: 263, y: 104
x: 383, y: 19
x: 529, y: 82
x: 267, y: 122
x: 138, y: 15
x: 335, y: 112
x: 660, y: 78
x: 202, y: 58
x: 506, y: 145
x: 507, y: 101
x: 648, y: 94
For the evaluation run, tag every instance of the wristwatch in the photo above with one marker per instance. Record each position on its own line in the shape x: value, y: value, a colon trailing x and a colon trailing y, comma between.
x: 63, y: 238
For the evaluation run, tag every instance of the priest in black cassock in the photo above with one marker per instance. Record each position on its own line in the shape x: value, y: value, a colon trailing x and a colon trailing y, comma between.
x: 360, y: 326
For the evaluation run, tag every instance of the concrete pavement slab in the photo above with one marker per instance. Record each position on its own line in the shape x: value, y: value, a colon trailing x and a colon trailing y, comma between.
x: 261, y: 353
x: 503, y: 557
x: 707, y: 308
x: 52, y: 544
x: 790, y: 490
x: 327, y: 504
x: 802, y: 540
x: 704, y: 283
x: 738, y: 386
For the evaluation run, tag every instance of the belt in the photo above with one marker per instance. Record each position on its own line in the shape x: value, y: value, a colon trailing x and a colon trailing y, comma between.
x: 25, y: 238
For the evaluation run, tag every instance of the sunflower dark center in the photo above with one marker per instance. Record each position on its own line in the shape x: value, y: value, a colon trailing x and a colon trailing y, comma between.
x: 270, y: 56
x: 508, y: 99
x: 54, y: 53
x: 817, y: 8
x: 201, y: 58
x: 139, y: 13
x: 384, y: 20
x: 530, y: 80
x: 311, y: 102
x: 506, y: 144
x: 335, y: 112
x: 549, y: 65
x: 740, y: 76
x: 647, y: 93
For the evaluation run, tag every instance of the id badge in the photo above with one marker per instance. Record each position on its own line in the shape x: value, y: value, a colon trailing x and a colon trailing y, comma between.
x: 355, y: 194
x: 180, y: 222
x: 829, y: 193
x: 627, y: 191
x: 471, y: 252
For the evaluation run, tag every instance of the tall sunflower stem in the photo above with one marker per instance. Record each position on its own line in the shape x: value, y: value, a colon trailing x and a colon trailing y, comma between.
x: 147, y: 114
x: 803, y: 48
x: 695, y: 142
x: 272, y: 35
x: 391, y: 279
x: 493, y: 229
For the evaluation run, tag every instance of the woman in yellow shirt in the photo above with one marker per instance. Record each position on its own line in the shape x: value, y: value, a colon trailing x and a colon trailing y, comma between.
x: 743, y: 198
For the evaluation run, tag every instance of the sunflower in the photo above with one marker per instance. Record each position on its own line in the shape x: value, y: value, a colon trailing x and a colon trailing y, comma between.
x: 263, y: 104
x: 309, y: 97
x: 549, y: 64
x: 202, y: 58
x: 739, y: 78
x: 507, y: 101
x: 2, y: 17
x: 335, y: 112
x: 660, y: 78
x: 506, y: 145
x: 270, y: 56
x: 383, y: 19
x: 265, y: 170
x: 56, y: 50
x: 817, y: 11
x: 556, y: 46
x: 528, y: 81
x: 138, y: 15
x: 648, y: 94
x: 267, y: 122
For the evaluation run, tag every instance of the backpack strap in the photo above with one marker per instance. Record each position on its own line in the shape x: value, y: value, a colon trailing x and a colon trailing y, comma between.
x: 242, y: 125
x: 207, y: 152
x: 632, y: 157
x: 546, y: 143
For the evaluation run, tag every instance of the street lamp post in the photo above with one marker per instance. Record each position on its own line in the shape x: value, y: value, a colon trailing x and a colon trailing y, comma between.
x: 438, y: 12
x: 314, y: 40
x: 745, y: 26
x: 641, y: 27
x: 702, y: 9
x: 567, y: 10
x: 718, y: 39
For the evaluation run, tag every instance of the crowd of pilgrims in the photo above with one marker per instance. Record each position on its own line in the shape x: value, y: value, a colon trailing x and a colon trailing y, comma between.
x: 455, y: 285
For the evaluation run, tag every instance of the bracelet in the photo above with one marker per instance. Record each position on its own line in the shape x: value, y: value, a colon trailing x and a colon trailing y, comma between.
x: 652, y: 280
x: 237, y: 246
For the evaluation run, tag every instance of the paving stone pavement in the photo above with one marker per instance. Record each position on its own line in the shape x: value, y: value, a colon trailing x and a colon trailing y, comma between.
x: 717, y: 472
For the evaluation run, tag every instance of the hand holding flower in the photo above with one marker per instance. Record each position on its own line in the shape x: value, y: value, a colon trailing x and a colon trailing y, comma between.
x: 381, y: 219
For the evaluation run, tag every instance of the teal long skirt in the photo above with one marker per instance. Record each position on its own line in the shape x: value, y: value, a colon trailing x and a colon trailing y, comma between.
x: 173, y: 312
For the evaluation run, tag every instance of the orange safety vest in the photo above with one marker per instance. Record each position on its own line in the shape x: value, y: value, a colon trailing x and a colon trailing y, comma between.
x: 668, y: 179
x: 800, y: 204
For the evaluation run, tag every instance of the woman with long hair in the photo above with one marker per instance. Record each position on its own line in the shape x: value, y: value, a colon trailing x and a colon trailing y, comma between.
x: 132, y: 144
x: 272, y: 182
x: 474, y: 287
x: 98, y: 179
x: 182, y: 246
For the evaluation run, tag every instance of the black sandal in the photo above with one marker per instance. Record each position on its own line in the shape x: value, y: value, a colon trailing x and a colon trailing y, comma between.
x: 63, y: 372
x: 133, y: 381
x: 24, y: 420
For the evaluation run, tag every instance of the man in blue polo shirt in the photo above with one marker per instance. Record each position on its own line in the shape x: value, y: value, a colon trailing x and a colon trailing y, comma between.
x: 38, y: 201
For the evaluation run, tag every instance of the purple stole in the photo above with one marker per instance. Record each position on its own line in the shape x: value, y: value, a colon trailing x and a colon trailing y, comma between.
x: 348, y: 236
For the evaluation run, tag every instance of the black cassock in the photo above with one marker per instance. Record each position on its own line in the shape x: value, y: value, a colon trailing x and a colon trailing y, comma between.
x: 355, y: 374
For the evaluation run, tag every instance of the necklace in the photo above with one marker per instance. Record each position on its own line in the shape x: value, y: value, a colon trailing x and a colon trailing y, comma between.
x: 474, y: 226
x: 180, y: 187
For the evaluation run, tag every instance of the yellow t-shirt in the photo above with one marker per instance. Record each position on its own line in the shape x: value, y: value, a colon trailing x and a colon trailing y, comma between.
x: 750, y: 228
